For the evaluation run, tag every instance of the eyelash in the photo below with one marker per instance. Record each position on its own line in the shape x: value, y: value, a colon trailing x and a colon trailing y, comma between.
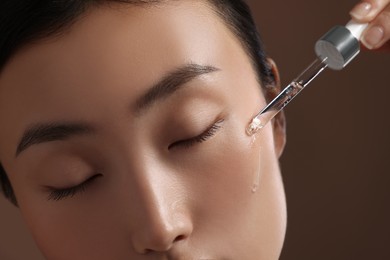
x: 210, y: 132
x: 59, y: 194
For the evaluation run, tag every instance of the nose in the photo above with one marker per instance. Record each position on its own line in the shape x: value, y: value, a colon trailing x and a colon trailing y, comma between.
x: 163, y: 218
x: 160, y: 236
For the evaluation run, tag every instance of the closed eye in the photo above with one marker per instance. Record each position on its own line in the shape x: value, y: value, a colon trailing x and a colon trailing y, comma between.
x: 206, y: 135
x: 59, y: 194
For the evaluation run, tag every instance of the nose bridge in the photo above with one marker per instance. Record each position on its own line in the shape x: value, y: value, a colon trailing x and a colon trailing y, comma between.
x: 162, y: 215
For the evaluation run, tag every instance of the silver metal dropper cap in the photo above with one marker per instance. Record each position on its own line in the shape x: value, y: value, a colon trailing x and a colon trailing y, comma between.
x: 339, y: 46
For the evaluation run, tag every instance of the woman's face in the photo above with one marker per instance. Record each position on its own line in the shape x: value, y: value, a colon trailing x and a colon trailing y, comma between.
x: 124, y: 138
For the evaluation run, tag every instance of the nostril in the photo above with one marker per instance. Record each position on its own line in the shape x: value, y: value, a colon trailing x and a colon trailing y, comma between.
x: 147, y: 251
x: 162, y: 247
x: 179, y: 238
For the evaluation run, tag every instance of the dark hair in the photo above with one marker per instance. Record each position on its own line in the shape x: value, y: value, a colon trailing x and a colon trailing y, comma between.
x: 23, y: 22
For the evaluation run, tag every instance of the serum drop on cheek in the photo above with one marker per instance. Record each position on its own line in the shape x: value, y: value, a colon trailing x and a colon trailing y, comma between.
x: 256, y: 170
x: 256, y: 182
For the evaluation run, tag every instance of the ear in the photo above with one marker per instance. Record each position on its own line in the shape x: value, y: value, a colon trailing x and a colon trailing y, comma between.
x: 279, y: 121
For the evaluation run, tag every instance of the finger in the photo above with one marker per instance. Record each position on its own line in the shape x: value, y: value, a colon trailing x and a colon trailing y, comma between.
x: 378, y: 32
x: 384, y: 48
x: 367, y: 10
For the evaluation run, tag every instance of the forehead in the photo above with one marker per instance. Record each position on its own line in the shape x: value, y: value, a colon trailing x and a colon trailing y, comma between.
x: 117, y: 42
x: 158, y: 36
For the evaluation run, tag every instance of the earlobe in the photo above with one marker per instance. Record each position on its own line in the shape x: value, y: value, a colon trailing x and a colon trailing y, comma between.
x: 279, y: 121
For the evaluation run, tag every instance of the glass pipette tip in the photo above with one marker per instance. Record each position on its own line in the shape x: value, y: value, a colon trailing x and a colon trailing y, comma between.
x: 285, y: 97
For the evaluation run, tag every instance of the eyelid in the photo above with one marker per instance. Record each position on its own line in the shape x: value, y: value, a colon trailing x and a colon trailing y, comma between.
x: 204, y: 136
x: 57, y: 194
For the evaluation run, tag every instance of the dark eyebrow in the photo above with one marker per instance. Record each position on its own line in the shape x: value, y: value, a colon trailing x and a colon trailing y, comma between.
x: 170, y: 83
x: 173, y: 81
x: 41, y: 133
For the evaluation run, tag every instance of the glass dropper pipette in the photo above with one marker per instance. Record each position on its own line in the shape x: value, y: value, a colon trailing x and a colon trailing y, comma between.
x: 335, y: 50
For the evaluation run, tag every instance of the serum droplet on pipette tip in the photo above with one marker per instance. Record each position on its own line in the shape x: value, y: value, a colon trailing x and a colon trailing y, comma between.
x: 254, y: 126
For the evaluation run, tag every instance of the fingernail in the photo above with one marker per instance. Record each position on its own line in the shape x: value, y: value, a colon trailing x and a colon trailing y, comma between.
x: 373, y: 37
x: 361, y: 10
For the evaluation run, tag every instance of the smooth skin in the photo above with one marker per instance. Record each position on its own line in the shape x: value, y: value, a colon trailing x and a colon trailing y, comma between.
x: 150, y: 193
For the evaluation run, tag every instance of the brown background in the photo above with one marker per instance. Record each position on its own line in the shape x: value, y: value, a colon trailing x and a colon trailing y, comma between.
x: 336, y: 164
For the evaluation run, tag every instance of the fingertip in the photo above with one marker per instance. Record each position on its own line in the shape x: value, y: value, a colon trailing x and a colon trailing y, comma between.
x: 373, y: 37
x: 361, y: 11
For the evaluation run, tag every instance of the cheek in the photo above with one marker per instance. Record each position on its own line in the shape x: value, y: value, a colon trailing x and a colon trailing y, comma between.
x: 227, y: 176
x: 236, y: 160
x: 73, y: 228
x: 77, y: 231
